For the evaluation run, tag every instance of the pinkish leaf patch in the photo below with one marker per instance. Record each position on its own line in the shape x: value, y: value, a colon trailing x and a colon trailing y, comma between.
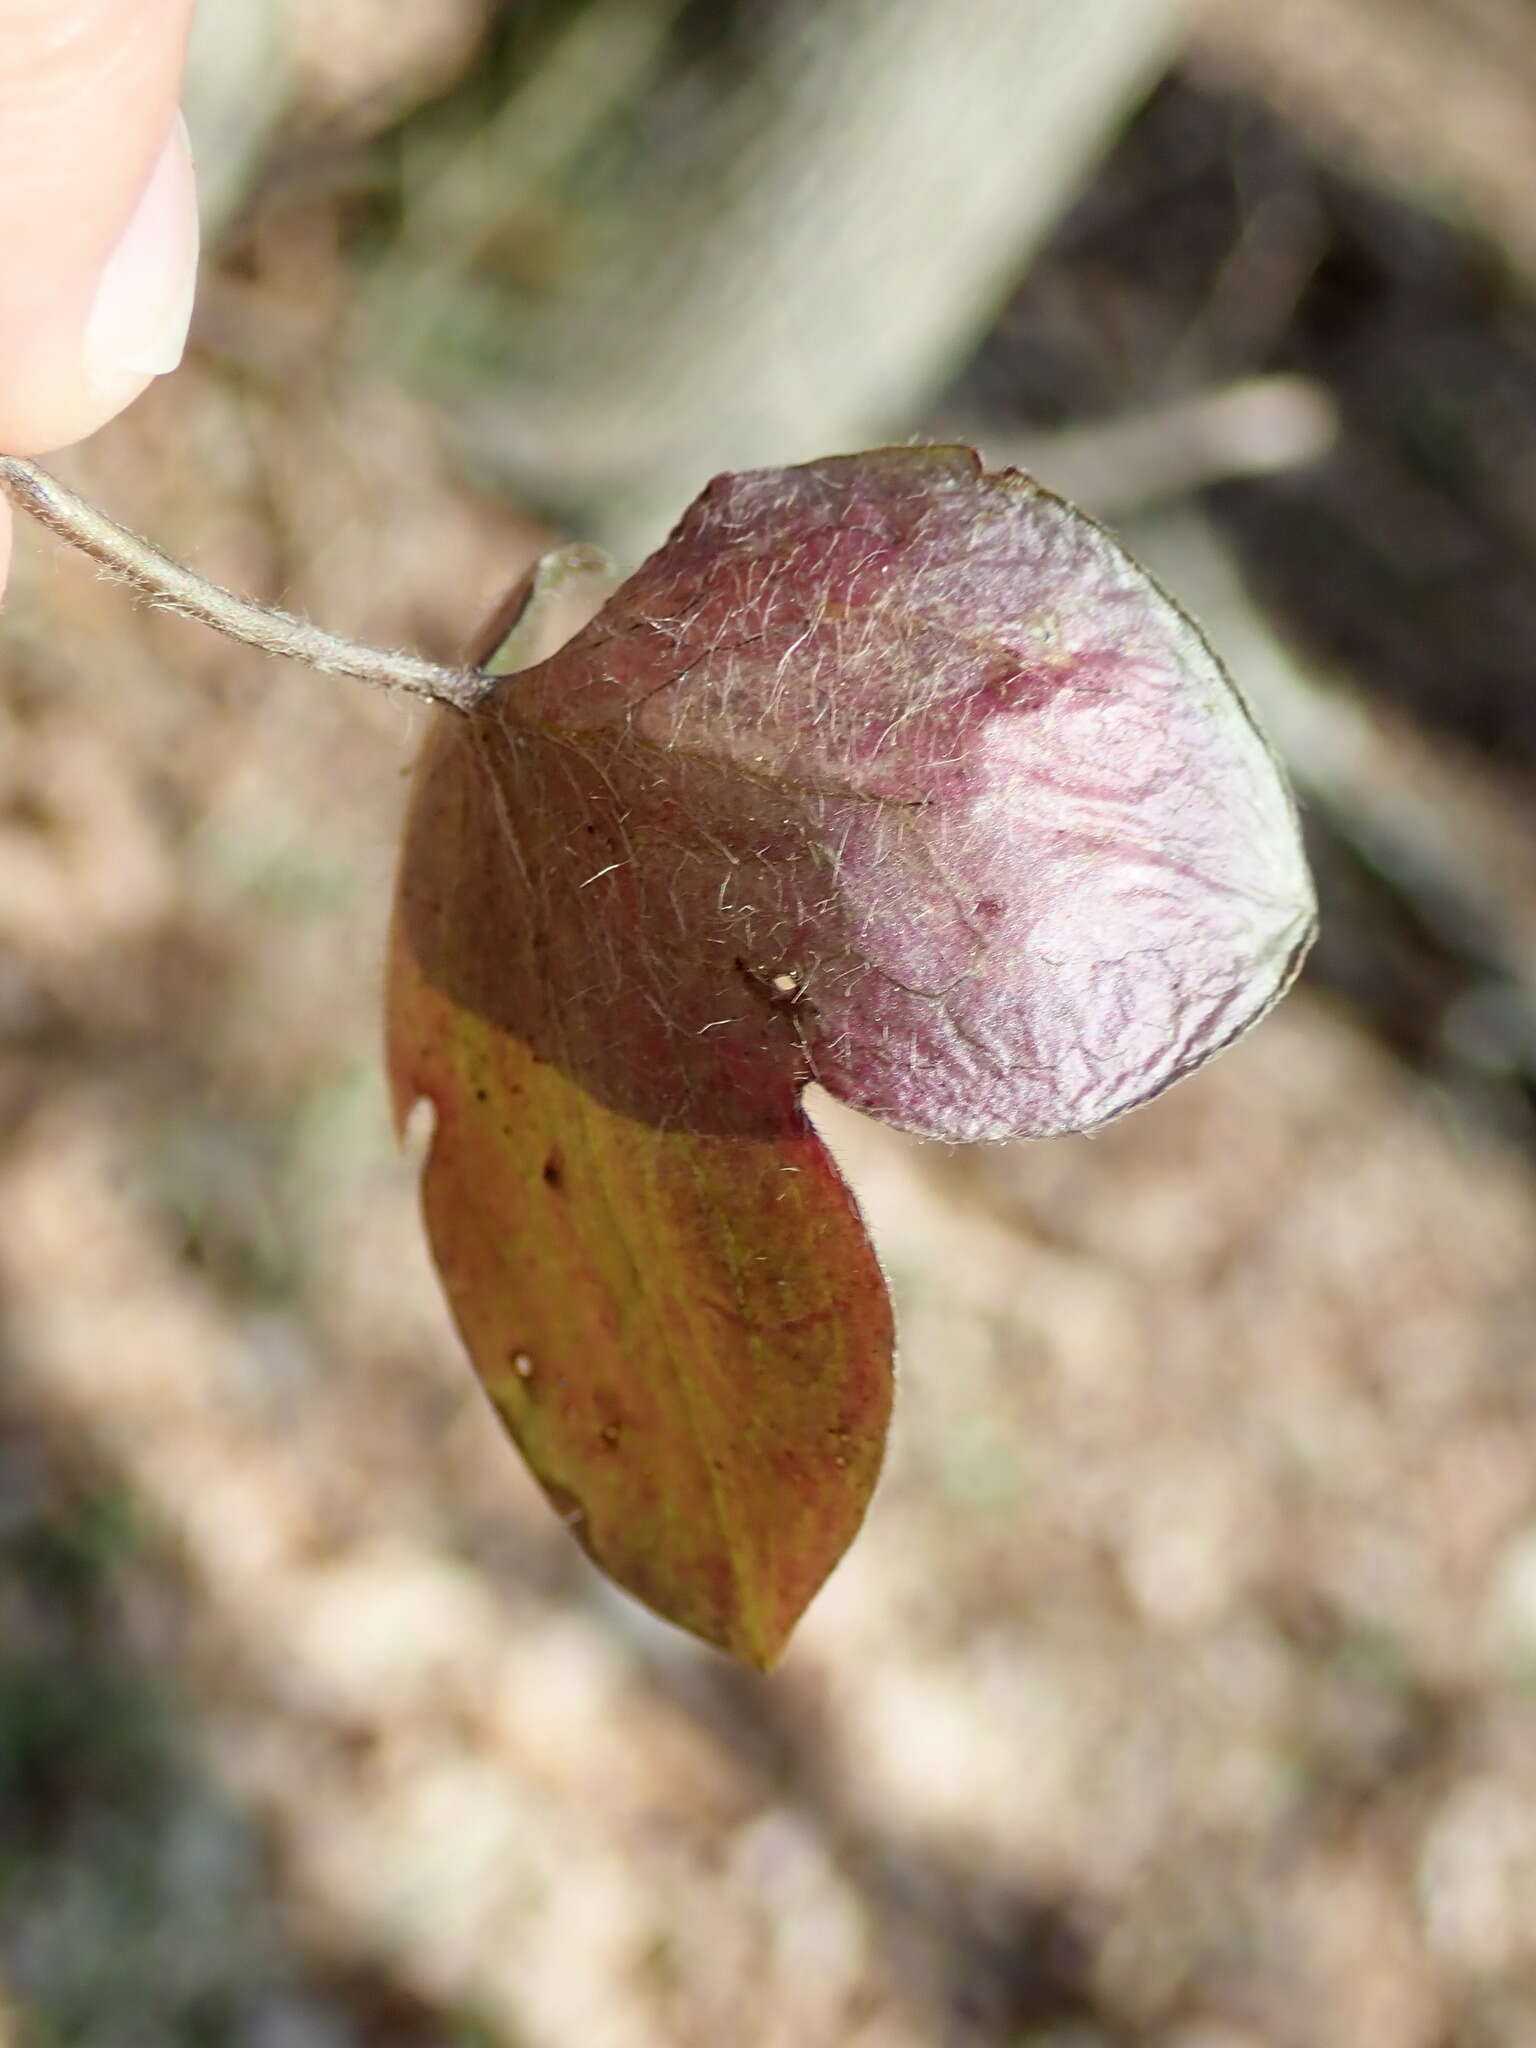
x: 883, y: 772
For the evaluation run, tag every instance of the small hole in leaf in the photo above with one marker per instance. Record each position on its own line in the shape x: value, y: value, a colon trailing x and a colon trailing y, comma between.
x: 522, y: 1365
x: 611, y: 1435
x: 566, y: 1506
x: 419, y: 1129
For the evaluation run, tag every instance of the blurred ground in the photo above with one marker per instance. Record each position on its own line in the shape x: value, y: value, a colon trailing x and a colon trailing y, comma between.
x: 1181, y: 1690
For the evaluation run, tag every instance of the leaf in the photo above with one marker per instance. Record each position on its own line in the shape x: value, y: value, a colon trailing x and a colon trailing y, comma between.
x: 678, y: 1316
x: 881, y: 771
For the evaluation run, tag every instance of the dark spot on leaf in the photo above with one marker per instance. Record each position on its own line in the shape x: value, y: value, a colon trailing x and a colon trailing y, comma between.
x: 554, y: 1172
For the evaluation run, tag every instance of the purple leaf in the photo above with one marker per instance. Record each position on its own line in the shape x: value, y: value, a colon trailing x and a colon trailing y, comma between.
x: 882, y: 772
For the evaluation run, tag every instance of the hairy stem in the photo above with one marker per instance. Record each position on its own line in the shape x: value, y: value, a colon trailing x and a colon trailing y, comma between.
x: 167, y: 583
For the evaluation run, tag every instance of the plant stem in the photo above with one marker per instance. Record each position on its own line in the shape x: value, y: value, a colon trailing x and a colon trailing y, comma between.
x: 167, y: 583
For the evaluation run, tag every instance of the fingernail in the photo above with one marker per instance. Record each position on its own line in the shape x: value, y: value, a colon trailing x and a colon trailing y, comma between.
x: 143, y: 306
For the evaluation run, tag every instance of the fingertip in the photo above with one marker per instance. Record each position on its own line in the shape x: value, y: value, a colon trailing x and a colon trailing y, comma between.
x: 137, y: 326
x: 53, y: 410
x: 98, y: 216
x: 57, y: 389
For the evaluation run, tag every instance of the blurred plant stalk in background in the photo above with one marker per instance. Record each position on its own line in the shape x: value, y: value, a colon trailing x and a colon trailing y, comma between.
x: 795, y: 262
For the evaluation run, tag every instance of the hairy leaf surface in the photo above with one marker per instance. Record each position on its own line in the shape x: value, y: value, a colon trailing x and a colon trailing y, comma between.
x: 881, y: 771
